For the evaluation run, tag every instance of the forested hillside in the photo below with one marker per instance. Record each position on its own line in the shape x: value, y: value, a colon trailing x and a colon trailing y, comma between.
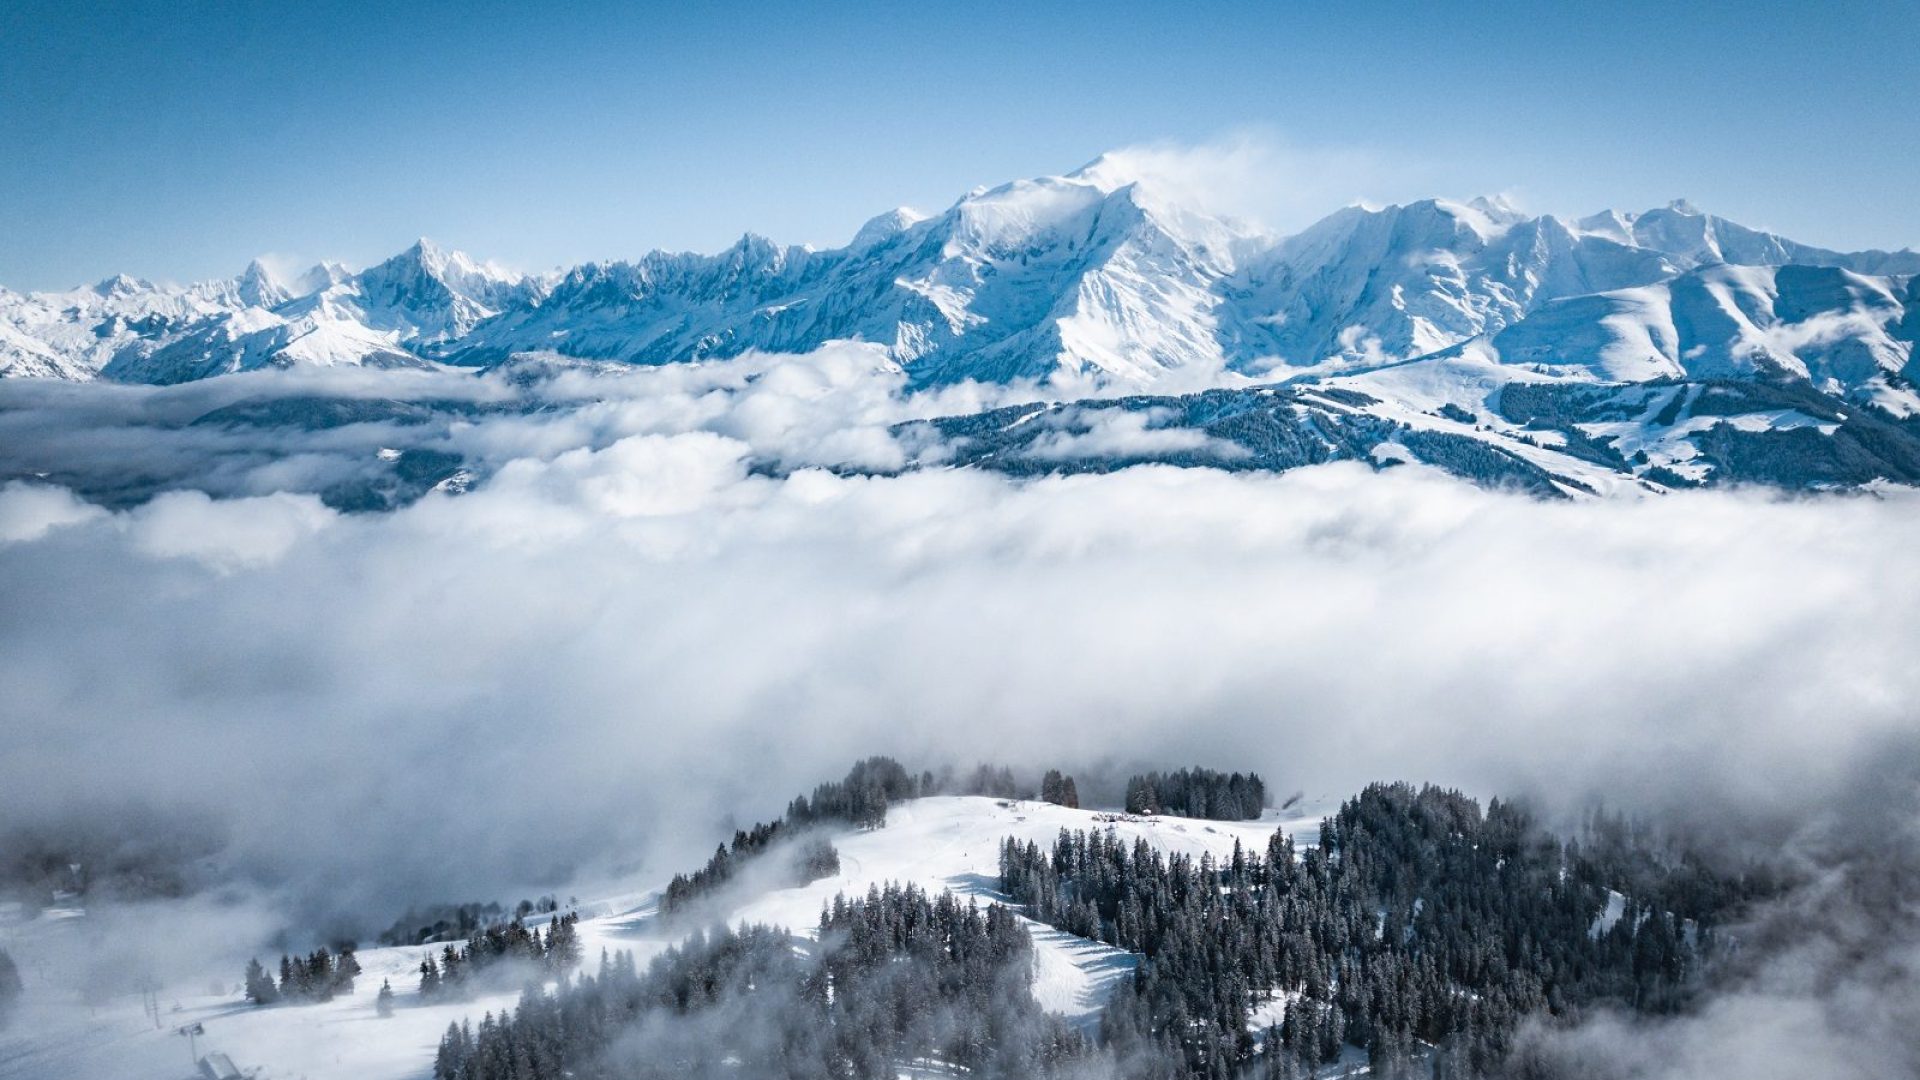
x: 1421, y: 931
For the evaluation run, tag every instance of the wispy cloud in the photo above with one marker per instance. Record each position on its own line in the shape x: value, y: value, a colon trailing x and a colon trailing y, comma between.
x: 1258, y: 175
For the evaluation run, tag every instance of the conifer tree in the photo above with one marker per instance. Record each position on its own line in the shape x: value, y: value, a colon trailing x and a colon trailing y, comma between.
x: 259, y: 985
x: 345, y: 970
x: 429, y: 978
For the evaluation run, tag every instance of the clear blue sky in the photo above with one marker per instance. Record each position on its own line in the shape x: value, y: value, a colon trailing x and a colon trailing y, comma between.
x: 177, y: 140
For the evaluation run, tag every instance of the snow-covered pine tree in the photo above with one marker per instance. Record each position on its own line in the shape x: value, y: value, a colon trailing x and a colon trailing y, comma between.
x: 429, y: 978
x: 259, y: 985
x: 344, y: 971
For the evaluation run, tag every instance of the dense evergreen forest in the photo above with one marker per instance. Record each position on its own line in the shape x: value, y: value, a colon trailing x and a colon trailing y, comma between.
x: 1059, y: 789
x: 1418, y: 924
x: 1421, y: 933
x: 1198, y: 793
x: 862, y: 798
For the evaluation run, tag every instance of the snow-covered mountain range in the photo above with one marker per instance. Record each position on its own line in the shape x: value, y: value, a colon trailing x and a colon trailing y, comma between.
x: 1095, y: 283
x: 1082, y: 274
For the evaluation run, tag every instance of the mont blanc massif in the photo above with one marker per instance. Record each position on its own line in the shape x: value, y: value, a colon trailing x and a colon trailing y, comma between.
x: 1625, y: 351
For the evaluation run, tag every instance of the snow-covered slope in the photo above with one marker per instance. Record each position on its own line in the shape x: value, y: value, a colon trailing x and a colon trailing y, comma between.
x: 1549, y: 433
x: 1369, y: 286
x: 1842, y: 332
x: 952, y: 843
x: 937, y: 843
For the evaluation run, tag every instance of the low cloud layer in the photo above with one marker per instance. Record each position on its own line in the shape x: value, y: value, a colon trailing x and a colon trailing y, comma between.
x: 1820, y: 983
x: 632, y: 629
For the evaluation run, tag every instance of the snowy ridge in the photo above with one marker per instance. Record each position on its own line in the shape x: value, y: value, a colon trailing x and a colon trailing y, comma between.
x: 380, y: 318
x: 1842, y: 332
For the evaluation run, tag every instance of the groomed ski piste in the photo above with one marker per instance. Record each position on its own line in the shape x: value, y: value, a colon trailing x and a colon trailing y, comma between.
x: 937, y: 843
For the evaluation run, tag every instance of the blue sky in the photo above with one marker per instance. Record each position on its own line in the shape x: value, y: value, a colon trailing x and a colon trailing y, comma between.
x: 176, y: 141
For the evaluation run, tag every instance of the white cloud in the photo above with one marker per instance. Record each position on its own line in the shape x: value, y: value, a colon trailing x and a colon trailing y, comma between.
x: 227, y: 534
x: 1118, y: 433
x: 30, y: 511
x: 628, y: 628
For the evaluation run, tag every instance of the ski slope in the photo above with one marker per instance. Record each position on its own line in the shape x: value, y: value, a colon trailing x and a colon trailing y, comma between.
x: 939, y: 843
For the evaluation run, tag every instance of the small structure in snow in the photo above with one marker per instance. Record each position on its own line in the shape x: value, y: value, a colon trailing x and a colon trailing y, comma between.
x: 217, y: 1066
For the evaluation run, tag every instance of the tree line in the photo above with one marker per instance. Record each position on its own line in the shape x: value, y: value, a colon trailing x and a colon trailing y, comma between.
x: 1058, y: 788
x: 861, y: 799
x: 1198, y: 793
x: 456, y: 922
x: 808, y: 859
x: 500, y: 955
x: 321, y: 975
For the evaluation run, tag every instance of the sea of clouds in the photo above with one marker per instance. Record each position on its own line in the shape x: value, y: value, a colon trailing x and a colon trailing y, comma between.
x: 673, y: 598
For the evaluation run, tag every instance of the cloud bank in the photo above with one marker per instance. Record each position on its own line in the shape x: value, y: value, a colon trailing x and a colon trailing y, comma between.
x: 673, y: 598
x: 560, y: 672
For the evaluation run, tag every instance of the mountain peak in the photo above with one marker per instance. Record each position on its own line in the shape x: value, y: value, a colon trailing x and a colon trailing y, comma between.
x: 753, y: 250
x: 883, y: 227
x: 322, y: 275
x: 1108, y: 172
x: 259, y: 286
x: 450, y: 267
x: 429, y: 255
x: 1500, y: 207
x: 121, y: 285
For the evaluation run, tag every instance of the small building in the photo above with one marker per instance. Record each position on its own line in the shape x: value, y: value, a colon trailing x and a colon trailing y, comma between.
x: 219, y: 1067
